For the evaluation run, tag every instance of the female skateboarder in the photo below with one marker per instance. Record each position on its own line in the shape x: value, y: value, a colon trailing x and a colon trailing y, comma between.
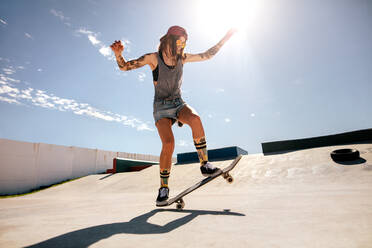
x: 167, y: 66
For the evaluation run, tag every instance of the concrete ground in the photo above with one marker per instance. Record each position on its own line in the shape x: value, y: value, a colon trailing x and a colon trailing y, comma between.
x: 296, y: 199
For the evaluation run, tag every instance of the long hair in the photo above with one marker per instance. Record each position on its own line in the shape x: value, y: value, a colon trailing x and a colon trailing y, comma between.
x: 168, y: 44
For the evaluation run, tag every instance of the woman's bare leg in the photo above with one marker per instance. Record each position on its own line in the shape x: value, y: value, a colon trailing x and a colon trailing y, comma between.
x: 190, y: 117
x: 164, y: 127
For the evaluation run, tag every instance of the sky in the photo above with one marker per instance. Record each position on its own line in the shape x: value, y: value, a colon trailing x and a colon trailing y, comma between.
x: 296, y: 69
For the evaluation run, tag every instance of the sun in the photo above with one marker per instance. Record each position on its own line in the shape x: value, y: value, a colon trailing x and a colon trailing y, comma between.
x: 215, y: 17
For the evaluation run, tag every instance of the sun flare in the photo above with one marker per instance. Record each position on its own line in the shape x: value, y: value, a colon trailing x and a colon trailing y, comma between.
x: 215, y: 17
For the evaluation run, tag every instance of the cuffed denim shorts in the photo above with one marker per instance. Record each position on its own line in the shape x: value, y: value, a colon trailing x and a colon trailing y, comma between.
x: 168, y: 109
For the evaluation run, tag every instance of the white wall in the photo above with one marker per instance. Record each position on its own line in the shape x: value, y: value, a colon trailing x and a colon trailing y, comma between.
x: 25, y: 166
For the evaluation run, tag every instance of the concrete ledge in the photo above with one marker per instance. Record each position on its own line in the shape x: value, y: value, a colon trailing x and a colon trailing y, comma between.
x: 213, y: 155
x: 126, y: 165
x: 321, y: 141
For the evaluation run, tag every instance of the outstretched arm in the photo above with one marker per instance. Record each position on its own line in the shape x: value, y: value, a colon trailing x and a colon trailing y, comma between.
x: 188, y: 57
x: 124, y: 65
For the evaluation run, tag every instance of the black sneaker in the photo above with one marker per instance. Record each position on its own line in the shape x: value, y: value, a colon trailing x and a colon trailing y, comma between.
x: 162, y: 196
x: 208, y: 169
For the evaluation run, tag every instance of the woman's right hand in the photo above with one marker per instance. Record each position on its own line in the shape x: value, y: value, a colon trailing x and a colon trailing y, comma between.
x: 117, y: 47
x: 230, y: 33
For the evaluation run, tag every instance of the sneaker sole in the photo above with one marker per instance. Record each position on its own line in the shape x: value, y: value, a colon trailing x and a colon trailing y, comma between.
x: 162, y: 204
x: 210, y: 175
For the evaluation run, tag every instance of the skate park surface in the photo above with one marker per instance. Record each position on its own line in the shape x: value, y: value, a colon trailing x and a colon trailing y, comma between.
x: 294, y: 199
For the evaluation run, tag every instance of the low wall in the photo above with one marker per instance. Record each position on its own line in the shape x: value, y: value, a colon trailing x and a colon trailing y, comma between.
x: 328, y: 140
x: 26, y: 166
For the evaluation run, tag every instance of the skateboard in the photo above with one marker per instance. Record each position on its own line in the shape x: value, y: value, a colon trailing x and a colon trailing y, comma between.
x: 222, y: 172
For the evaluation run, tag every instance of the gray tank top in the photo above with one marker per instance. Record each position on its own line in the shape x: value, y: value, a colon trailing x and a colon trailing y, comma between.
x: 169, y: 81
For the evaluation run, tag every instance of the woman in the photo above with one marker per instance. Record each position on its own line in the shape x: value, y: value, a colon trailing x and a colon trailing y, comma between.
x: 167, y: 67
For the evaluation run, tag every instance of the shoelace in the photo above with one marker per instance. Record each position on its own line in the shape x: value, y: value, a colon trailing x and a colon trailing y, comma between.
x: 209, y: 166
x: 163, y: 192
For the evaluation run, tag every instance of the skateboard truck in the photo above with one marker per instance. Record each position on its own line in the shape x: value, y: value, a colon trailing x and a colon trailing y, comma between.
x: 228, y: 177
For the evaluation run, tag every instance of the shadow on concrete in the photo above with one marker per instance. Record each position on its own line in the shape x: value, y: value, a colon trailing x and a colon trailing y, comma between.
x: 354, y: 162
x: 138, y: 225
x: 109, y: 175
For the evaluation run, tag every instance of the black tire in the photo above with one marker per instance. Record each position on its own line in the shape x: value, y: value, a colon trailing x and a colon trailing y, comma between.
x: 345, y: 155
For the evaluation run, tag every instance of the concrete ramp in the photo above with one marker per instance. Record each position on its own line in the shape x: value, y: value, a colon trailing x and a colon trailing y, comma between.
x: 296, y: 199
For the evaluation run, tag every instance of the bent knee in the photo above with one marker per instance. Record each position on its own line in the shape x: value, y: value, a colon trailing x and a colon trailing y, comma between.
x: 168, y: 144
x: 194, y: 119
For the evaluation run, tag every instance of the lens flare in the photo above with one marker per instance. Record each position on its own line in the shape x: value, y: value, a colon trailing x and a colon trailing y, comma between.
x: 215, y: 17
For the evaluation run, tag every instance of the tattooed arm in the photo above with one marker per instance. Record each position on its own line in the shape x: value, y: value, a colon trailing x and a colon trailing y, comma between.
x: 188, y: 57
x: 135, y: 63
x: 147, y: 59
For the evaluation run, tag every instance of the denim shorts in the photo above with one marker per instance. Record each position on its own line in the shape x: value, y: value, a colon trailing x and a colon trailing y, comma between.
x: 168, y: 109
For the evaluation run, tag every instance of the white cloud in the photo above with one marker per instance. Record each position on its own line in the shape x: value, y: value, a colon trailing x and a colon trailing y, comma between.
x: 93, y: 40
x: 29, y: 36
x: 144, y: 126
x: 3, y: 22
x: 253, y: 115
x: 141, y: 76
x: 227, y: 120
x: 8, y: 79
x: 92, y: 37
x: 105, y: 51
x: 219, y: 90
x: 210, y: 116
x: 9, y: 70
x: 9, y: 100
x: 40, y: 98
x: 59, y: 14
x: 6, y: 89
x: 26, y: 94
x: 84, y: 31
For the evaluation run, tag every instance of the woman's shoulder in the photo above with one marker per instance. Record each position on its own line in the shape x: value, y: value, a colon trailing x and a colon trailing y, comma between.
x: 152, y: 56
x: 152, y: 59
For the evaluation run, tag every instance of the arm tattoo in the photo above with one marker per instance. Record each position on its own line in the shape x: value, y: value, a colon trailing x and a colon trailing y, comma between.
x: 210, y: 52
x: 121, y: 62
x: 130, y: 65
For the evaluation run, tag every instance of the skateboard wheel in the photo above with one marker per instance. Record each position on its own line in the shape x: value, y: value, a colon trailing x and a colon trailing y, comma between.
x: 230, y: 179
x: 180, y: 204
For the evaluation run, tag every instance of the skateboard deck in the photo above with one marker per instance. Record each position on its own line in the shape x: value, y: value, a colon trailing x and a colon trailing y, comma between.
x: 222, y: 172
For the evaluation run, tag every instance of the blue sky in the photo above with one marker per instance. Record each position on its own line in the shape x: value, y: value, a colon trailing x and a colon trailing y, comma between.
x: 298, y: 69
